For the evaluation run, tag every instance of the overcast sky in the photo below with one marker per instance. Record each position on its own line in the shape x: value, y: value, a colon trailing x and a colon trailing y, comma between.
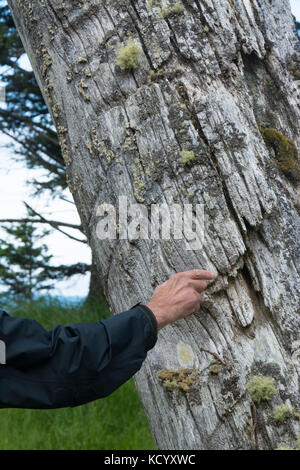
x: 295, y: 4
x: 13, y: 191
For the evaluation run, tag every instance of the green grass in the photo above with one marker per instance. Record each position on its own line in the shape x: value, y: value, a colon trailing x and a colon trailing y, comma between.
x: 117, y: 422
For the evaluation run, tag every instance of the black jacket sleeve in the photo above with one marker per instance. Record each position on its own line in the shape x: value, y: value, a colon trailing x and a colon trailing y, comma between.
x: 74, y: 364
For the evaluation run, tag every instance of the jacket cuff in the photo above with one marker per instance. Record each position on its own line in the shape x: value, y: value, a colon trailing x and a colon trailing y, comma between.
x: 152, y: 320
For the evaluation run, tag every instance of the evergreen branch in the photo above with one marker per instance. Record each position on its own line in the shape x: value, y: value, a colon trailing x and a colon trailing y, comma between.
x: 53, y: 225
x: 39, y: 221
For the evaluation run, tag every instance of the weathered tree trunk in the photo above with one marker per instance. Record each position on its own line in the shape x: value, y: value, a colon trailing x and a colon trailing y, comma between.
x: 213, y: 75
x: 95, y: 292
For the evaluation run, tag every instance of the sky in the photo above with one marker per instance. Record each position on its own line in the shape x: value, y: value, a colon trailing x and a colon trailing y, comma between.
x: 295, y: 5
x: 14, y: 190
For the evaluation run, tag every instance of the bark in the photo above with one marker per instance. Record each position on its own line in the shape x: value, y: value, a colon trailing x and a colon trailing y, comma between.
x: 210, y: 78
x: 95, y: 293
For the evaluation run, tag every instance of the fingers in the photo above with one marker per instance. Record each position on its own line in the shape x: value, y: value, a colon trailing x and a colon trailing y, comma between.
x: 197, y: 303
x: 199, y: 286
x: 199, y: 274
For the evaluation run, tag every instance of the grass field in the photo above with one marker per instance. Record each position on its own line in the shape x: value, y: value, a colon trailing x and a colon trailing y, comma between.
x: 115, y: 422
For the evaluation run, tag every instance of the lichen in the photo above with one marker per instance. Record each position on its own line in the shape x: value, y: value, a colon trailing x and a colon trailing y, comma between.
x: 261, y: 388
x: 298, y: 442
x: 284, y: 447
x: 181, y: 379
x: 215, y: 368
x: 294, y: 67
x: 128, y: 56
x: 281, y: 413
x: 138, y: 184
x: 185, y: 354
x: 169, y: 10
x: 286, y: 152
x: 56, y: 109
x: 61, y: 131
x: 187, y: 156
x: 69, y: 75
x: 168, y: 73
x: 83, y: 86
x: 46, y: 59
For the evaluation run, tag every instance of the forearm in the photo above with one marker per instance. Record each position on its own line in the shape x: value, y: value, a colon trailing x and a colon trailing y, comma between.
x: 71, y: 365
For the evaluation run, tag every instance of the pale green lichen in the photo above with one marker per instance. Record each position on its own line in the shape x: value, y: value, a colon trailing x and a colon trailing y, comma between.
x: 169, y: 10
x: 128, y: 56
x: 284, y: 447
x: 298, y: 442
x: 281, y: 413
x: 187, y: 156
x: 261, y: 388
x: 181, y: 379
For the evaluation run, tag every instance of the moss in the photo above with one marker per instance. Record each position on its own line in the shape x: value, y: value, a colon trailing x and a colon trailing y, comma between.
x: 128, y: 56
x: 282, y: 413
x: 286, y: 152
x: 169, y: 10
x: 181, y: 379
x: 261, y: 388
x: 187, y: 156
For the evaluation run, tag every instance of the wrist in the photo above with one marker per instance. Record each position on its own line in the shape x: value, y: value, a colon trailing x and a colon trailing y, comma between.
x: 158, y: 313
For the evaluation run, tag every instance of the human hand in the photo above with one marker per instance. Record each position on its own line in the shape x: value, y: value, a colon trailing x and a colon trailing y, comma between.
x: 179, y: 296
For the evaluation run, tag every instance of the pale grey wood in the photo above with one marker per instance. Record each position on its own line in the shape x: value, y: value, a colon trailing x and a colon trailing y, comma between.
x: 122, y: 133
